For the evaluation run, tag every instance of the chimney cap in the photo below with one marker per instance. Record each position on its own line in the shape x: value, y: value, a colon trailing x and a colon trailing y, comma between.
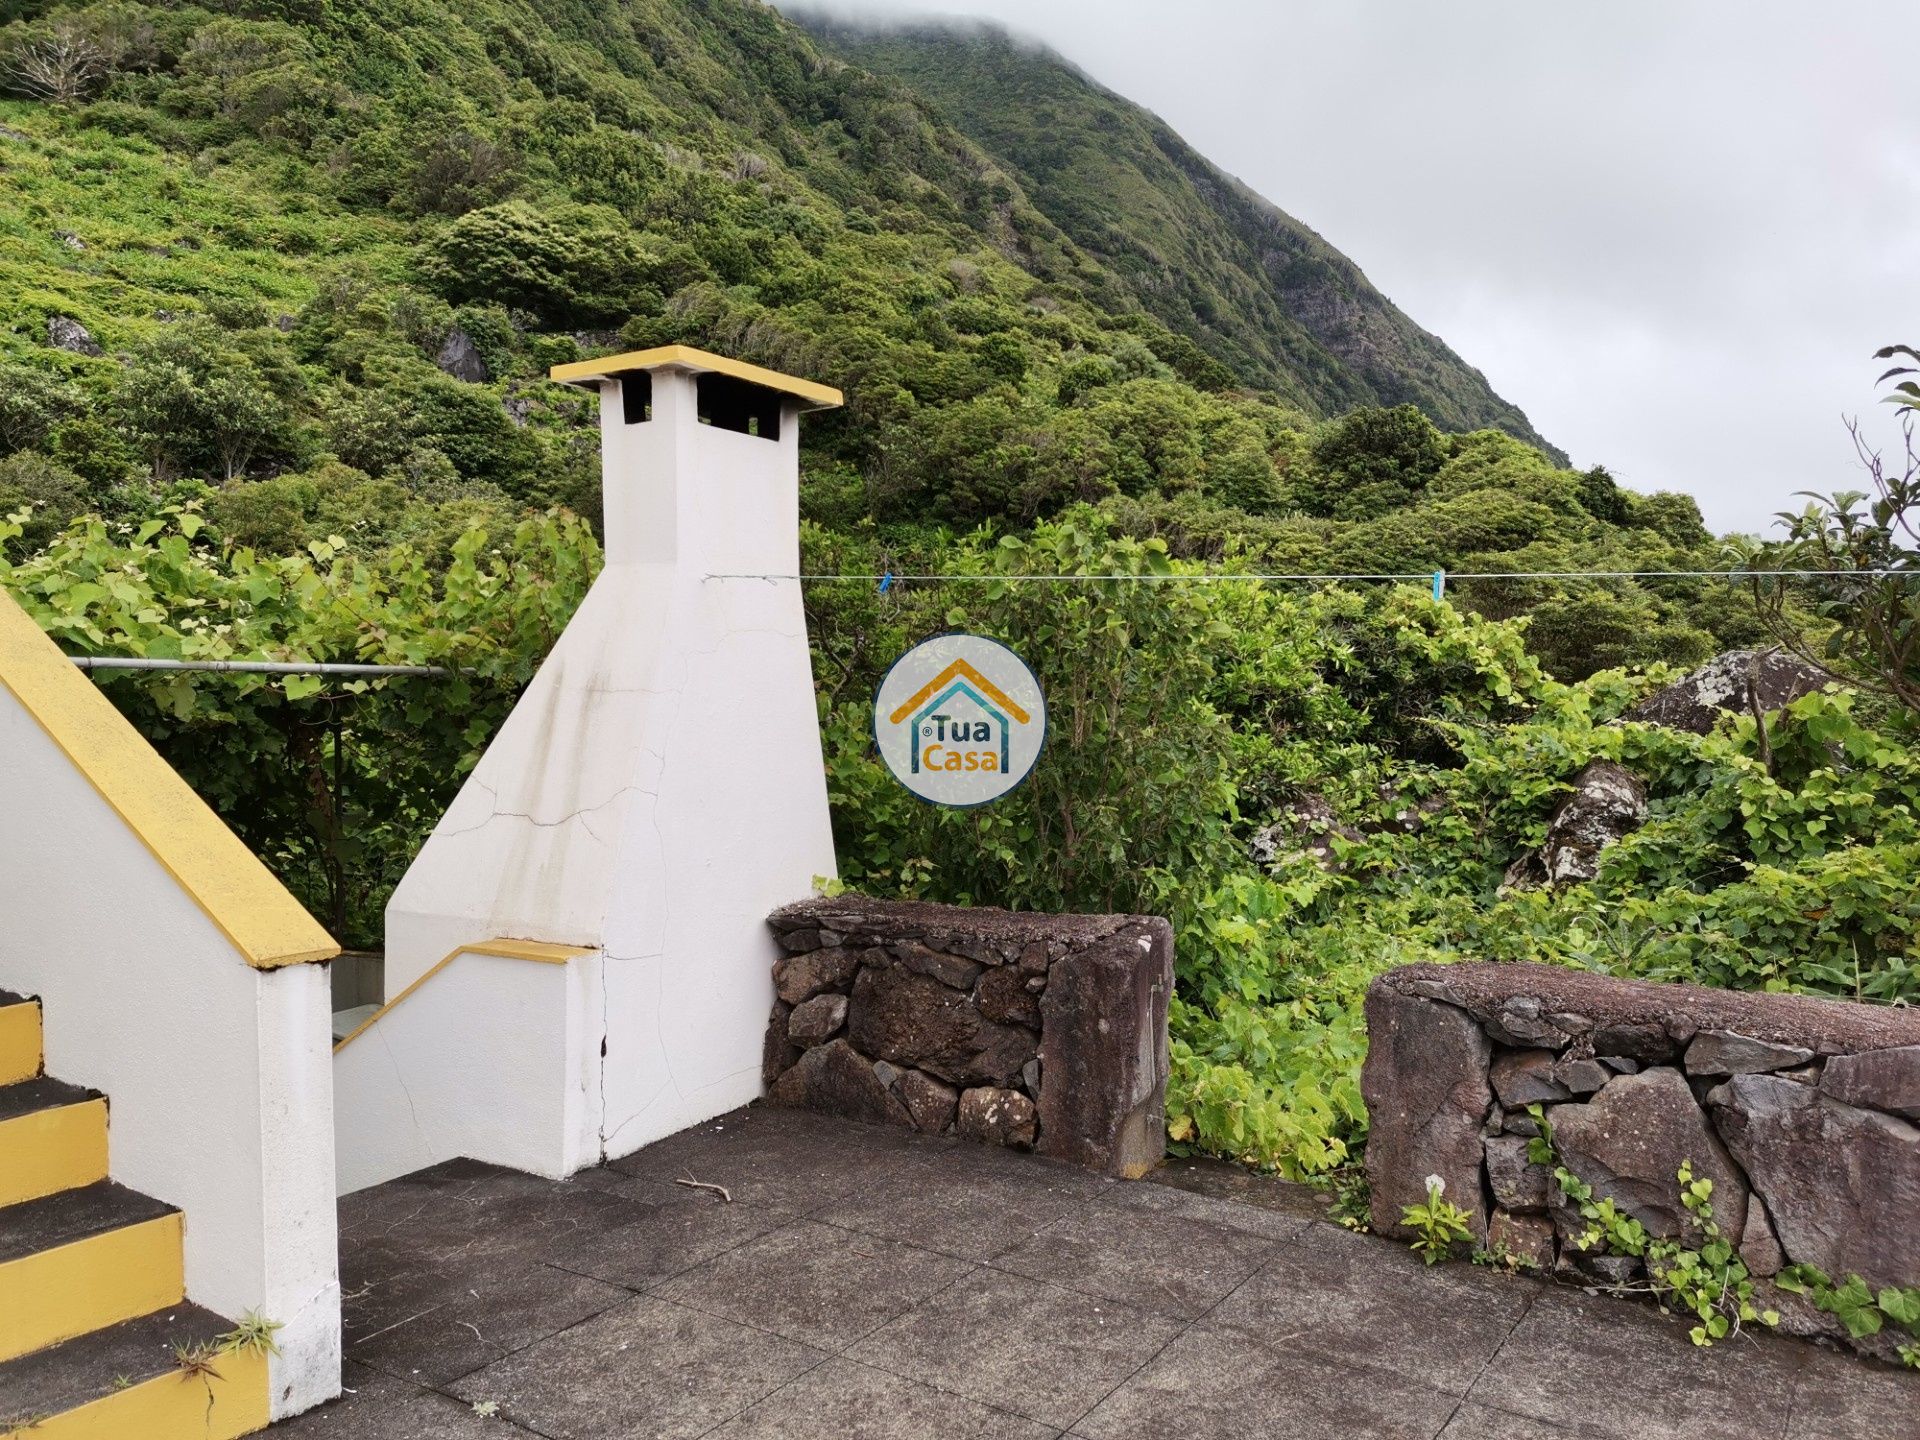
x: 587, y: 372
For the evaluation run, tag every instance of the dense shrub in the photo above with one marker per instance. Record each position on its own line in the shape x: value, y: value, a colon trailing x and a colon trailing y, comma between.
x: 1181, y: 716
x: 333, y: 785
x: 572, y: 268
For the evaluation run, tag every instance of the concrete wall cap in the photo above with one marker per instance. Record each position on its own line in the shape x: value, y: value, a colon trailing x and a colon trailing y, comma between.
x: 1827, y: 1027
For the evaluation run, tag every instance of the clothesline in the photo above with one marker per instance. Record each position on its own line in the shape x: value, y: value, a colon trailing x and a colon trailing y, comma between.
x: 1206, y: 577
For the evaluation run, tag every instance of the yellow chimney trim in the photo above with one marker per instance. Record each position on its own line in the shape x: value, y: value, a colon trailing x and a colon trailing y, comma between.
x: 193, y: 845
x: 685, y: 357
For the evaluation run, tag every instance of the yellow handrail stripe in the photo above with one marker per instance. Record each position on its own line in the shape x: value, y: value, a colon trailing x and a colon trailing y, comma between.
x: 541, y: 952
x: 193, y: 845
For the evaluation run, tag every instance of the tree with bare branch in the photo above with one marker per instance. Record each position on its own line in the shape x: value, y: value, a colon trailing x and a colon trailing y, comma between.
x: 65, y: 65
x: 1866, y: 544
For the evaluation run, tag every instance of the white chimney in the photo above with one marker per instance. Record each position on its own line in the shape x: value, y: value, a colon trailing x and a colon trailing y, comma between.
x: 659, y: 788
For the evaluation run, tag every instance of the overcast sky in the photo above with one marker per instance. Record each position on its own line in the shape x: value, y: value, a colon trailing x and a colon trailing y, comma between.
x: 1672, y: 231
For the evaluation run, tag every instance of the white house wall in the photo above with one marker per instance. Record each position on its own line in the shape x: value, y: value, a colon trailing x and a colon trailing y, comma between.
x: 216, y: 1073
x: 487, y: 1060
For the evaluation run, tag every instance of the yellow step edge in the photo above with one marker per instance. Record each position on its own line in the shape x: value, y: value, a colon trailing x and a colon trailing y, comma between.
x: 87, y: 1285
x: 19, y: 1042
x: 47, y: 1151
x: 234, y: 1400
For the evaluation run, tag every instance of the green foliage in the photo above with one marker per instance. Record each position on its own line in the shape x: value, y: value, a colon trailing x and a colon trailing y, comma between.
x: 45, y: 491
x: 1870, y: 545
x: 1183, y: 715
x: 573, y: 267
x: 1371, y: 461
x: 1857, y: 1305
x: 333, y: 784
x: 255, y: 1332
x: 282, y: 212
x: 32, y: 404
x: 1137, y: 787
x: 191, y: 402
x: 1440, y: 1226
x: 272, y: 217
x: 1248, y: 293
x: 1711, y: 1283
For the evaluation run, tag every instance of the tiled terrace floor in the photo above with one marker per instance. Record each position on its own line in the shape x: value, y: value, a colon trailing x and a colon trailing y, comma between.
x: 866, y: 1284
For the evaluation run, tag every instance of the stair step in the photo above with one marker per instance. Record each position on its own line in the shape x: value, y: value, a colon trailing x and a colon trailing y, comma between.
x: 126, y: 1381
x: 53, y: 1137
x: 40, y: 1092
x: 82, y: 1260
x: 19, y: 1038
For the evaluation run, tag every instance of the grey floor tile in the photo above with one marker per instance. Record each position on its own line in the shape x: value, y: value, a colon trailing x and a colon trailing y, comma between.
x: 1073, y: 1324
x: 423, y: 1249
x: 449, y: 1202
x: 1627, y: 1371
x: 1172, y: 1264
x: 1359, y: 1299
x: 815, y: 1282
x: 421, y: 1262
x: 784, y: 1159
x: 662, y: 1231
x: 380, y: 1407
x: 1839, y: 1396
x: 841, y: 1400
x: 1040, y: 1350
x: 969, y: 1157
x: 1224, y: 1180
x: 1477, y: 1422
x: 971, y: 1206
x: 1213, y: 1383
x: 1261, y: 1220
x: 492, y: 1316
x: 647, y: 1369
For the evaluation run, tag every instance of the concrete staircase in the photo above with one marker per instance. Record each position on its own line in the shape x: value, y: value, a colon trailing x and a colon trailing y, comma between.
x: 97, y: 1339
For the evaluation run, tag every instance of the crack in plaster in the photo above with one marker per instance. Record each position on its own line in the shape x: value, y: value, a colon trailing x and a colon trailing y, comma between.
x: 733, y: 633
x: 580, y: 814
x: 610, y: 1137
x: 400, y: 1079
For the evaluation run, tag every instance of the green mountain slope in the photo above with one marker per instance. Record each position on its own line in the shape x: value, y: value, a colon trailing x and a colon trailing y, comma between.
x: 305, y: 266
x: 1178, y: 237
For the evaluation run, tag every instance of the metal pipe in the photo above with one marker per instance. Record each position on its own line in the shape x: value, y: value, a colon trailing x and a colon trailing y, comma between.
x: 253, y: 667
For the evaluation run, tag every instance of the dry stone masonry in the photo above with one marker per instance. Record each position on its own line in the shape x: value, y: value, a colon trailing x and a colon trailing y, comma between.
x: 1801, y: 1111
x: 1042, y: 1032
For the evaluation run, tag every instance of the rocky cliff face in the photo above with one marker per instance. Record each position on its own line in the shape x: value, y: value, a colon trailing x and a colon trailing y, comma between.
x: 1188, y: 244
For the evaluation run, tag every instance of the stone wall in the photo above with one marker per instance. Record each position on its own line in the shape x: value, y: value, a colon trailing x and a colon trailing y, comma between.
x: 1801, y: 1112
x: 1044, y: 1032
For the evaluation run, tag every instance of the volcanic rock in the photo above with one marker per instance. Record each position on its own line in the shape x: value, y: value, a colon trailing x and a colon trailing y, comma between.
x: 1841, y: 1184
x: 998, y: 1117
x: 1738, y: 682
x: 833, y: 1079
x: 913, y: 1019
x: 1425, y: 1084
x: 1629, y: 1143
x: 1878, y: 1079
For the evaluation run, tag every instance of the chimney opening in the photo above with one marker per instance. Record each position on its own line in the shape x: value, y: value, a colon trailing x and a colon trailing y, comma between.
x: 746, y: 409
x: 636, y: 396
